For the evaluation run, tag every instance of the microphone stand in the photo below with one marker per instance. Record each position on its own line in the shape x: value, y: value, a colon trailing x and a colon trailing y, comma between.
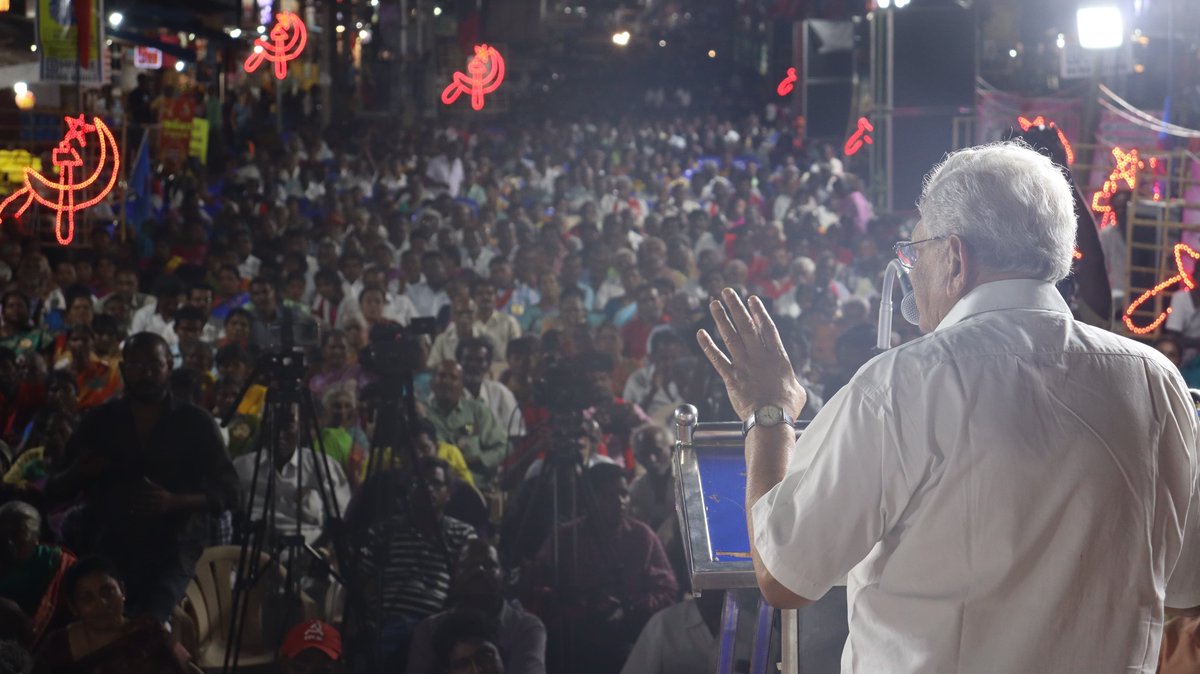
x: 908, y: 305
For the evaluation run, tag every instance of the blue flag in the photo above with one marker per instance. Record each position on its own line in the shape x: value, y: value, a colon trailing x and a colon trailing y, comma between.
x: 138, y: 204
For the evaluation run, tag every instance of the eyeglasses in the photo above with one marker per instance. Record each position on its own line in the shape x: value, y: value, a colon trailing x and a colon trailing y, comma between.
x: 906, y: 251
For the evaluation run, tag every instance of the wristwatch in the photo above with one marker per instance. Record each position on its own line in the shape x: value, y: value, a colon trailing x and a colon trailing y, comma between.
x: 767, y: 416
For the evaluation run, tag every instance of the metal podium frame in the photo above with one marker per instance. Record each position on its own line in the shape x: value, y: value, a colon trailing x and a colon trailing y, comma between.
x: 693, y: 438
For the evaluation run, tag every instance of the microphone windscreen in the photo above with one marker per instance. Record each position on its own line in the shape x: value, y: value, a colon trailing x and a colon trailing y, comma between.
x: 908, y: 309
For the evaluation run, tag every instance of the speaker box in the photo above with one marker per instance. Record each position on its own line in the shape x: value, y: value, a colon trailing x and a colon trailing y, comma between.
x: 933, y: 59
x: 826, y: 51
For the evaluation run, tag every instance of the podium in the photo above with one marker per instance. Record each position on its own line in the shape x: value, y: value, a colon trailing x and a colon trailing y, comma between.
x: 710, y: 500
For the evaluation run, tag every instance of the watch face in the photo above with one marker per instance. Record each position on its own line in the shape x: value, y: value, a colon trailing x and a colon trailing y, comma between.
x: 769, y: 415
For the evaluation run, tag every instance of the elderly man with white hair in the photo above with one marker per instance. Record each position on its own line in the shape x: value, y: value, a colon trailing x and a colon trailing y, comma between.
x: 1013, y: 492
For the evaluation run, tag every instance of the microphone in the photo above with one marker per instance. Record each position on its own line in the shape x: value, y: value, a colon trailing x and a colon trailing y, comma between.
x: 908, y: 305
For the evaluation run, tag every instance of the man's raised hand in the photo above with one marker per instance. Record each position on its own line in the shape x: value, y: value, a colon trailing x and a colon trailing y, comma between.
x: 757, y: 370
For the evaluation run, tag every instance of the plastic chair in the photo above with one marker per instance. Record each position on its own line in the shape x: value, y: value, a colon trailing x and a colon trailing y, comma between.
x: 334, y: 609
x: 209, y: 603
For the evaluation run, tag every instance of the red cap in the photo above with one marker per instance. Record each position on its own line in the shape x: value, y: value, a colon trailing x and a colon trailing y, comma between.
x: 312, y: 634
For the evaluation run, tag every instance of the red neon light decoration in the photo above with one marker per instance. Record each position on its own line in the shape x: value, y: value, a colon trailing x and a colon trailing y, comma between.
x: 788, y: 83
x: 287, y: 39
x: 1040, y: 121
x: 1181, y: 249
x: 485, y: 72
x: 862, y: 135
x: 1125, y: 171
x: 67, y: 160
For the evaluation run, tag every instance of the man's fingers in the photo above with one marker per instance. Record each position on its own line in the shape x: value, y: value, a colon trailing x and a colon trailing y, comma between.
x: 767, y: 329
x: 729, y: 334
x: 714, y: 354
x: 741, y: 318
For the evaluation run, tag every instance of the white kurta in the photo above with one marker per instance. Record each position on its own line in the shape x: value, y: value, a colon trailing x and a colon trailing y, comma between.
x: 1008, y: 494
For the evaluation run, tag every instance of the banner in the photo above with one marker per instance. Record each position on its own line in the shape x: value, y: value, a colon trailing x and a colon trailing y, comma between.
x: 58, y: 42
x: 198, y: 145
x: 147, y: 58
x: 175, y: 143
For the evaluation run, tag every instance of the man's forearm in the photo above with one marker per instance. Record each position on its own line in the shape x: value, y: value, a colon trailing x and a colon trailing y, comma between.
x: 767, y: 451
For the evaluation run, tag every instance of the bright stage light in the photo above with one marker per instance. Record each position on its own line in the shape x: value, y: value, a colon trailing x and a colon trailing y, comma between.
x: 1100, y: 27
x: 235, y: 33
x: 621, y: 39
x: 115, y: 19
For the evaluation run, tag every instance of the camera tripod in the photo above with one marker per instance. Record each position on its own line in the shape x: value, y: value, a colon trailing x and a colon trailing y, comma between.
x: 265, y: 544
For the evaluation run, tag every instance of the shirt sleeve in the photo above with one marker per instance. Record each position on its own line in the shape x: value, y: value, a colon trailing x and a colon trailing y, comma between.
x: 659, y: 586
x: 420, y: 654
x: 527, y: 647
x: 1183, y: 584
x: 492, y: 438
x: 646, y: 656
x: 843, y: 491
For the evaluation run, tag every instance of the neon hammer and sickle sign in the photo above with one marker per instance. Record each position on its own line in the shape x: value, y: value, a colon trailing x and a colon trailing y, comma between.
x: 1181, y: 249
x: 65, y: 196
x: 485, y: 72
x: 287, y: 39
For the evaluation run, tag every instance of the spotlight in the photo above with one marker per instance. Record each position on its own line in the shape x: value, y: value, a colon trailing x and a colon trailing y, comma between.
x: 179, y: 66
x: 235, y: 33
x: 365, y: 36
x: 262, y: 30
x: 1100, y: 27
x: 33, y: 47
x: 884, y: 4
x: 621, y: 39
x: 662, y: 43
x: 901, y: 4
x: 340, y: 28
x: 437, y: 11
x: 115, y: 19
x: 20, y: 88
x: 1060, y: 41
x: 712, y: 53
x: 1012, y: 53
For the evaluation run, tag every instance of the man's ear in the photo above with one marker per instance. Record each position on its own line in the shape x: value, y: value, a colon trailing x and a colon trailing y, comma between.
x: 961, y: 267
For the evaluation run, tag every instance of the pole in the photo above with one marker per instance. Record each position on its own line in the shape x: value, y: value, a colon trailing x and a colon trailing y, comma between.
x: 124, y: 182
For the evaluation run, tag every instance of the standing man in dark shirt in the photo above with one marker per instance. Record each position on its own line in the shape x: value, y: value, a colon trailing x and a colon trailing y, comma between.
x: 141, y: 109
x: 140, y: 105
x: 153, y: 471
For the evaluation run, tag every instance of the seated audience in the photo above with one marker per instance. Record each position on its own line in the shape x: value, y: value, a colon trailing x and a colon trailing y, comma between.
x: 102, y: 639
x: 479, y: 586
x: 31, y: 576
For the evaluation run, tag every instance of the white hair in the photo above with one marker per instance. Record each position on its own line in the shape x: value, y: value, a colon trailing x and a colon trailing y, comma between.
x: 23, y: 510
x: 1012, y: 205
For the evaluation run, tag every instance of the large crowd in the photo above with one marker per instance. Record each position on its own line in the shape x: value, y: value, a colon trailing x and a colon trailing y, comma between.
x: 429, y: 369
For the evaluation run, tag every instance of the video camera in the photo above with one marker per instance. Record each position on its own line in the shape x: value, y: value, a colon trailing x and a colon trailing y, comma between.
x: 395, y: 350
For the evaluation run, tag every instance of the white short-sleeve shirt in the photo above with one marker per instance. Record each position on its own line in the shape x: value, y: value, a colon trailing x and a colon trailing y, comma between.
x: 1007, y: 494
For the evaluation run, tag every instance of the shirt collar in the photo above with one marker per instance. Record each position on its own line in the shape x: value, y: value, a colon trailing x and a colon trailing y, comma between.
x: 1033, y: 294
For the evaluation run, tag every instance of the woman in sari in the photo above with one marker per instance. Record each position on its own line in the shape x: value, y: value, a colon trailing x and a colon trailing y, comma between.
x: 339, y: 368
x: 17, y: 330
x: 102, y: 640
x: 31, y: 576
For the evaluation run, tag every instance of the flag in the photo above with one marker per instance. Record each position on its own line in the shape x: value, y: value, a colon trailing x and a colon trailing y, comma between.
x: 138, y: 204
